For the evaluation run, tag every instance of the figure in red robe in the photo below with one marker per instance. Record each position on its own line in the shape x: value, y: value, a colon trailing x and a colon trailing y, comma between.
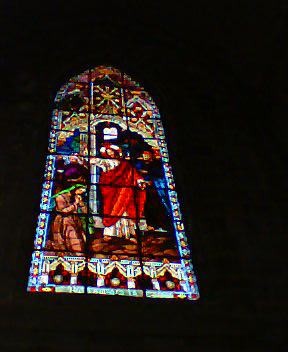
x: 123, y: 193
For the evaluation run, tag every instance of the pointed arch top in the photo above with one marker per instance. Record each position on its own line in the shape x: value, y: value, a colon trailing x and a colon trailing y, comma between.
x: 117, y: 99
x: 108, y: 76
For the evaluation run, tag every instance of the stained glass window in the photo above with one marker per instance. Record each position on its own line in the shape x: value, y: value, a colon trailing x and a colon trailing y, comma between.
x: 109, y: 219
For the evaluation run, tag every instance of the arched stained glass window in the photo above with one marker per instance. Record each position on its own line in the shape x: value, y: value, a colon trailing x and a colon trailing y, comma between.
x: 109, y: 218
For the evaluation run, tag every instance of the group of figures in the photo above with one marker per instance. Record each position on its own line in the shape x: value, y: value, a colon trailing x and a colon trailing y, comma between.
x: 129, y: 197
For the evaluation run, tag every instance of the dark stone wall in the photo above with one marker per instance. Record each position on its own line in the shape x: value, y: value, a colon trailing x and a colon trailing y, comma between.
x: 218, y: 75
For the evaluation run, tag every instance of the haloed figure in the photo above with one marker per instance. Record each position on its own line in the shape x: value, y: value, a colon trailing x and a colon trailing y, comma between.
x: 68, y: 230
x: 125, y: 197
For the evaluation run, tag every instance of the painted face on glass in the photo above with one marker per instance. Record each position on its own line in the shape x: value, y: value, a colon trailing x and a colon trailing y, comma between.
x: 73, y: 159
x: 80, y: 190
x: 110, y: 153
x: 147, y: 156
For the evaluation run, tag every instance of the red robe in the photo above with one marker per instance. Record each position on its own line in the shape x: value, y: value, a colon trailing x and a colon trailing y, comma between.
x: 123, y: 195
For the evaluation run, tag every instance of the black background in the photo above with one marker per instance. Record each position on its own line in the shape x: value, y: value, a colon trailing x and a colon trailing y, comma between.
x: 218, y: 74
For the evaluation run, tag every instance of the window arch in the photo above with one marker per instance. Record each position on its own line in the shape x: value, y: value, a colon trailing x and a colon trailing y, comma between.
x: 109, y: 219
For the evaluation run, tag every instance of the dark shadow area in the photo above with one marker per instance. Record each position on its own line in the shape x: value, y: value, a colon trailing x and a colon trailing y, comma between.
x: 218, y: 75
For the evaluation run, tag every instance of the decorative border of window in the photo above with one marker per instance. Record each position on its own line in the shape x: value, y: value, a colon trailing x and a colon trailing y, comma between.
x: 38, y: 279
x: 183, y: 271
